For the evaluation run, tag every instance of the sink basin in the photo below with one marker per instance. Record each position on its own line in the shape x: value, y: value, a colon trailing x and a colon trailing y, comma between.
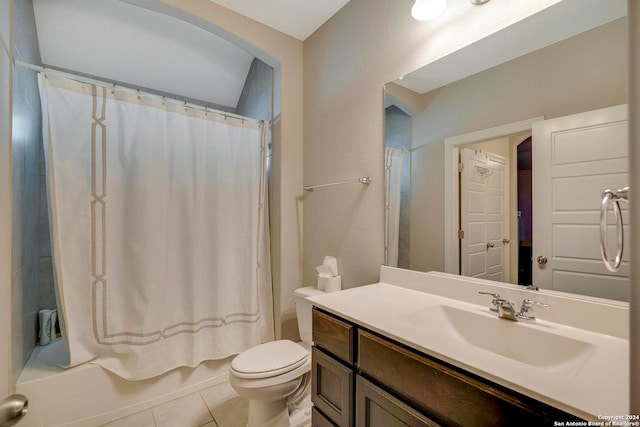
x: 527, y: 344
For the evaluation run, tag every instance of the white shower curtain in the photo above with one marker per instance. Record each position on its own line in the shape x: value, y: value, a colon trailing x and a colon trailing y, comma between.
x: 393, y: 176
x: 159, y: 229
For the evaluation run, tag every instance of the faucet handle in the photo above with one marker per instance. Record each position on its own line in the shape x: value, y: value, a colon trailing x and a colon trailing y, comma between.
x: 527, y: 303
x: 526, y: 311
x: 496, y: 299
x: 493, y: 294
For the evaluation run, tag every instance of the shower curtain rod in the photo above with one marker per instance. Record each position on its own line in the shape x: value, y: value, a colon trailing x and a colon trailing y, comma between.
x: 363, y: 180
x: 103, y: 83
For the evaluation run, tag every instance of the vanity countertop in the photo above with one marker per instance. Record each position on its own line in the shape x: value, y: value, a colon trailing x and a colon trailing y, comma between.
x: 580, y: 371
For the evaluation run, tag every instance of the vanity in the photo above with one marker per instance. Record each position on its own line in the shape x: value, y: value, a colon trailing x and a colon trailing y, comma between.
x: 424, y: 349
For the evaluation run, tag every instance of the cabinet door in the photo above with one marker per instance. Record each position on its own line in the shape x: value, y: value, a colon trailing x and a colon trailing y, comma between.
x: 377, y: 408
x: 319, y: 420
x: 332, y: 388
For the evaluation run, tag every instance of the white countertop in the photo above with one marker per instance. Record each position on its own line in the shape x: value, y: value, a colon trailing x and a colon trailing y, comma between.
x: 595, y: 383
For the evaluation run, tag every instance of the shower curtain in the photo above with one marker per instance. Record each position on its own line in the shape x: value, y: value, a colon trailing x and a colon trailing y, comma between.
x: 159, y: 228
x: 393, y: 177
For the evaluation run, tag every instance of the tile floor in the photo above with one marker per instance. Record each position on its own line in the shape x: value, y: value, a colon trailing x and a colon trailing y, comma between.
x: 217, y: 406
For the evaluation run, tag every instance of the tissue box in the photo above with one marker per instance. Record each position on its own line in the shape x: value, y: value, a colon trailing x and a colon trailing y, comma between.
x: 330, y: 284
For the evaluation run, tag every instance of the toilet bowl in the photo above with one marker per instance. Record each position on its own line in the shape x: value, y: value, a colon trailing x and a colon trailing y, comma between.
x: 275, y: 376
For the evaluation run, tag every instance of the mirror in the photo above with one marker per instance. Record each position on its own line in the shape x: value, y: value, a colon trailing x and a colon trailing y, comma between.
x: 484, y: 110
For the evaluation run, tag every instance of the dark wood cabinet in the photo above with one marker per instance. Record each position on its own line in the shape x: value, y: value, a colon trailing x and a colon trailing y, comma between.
x: 392, y: 384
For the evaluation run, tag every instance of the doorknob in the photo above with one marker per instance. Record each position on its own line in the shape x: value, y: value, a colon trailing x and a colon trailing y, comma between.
x: 13, y: 409
x: 490, y: 245
x: 542, y: 260
x: 505, y: 241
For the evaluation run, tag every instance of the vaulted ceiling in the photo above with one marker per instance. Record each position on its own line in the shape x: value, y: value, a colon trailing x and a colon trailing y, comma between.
x: 117, y: 40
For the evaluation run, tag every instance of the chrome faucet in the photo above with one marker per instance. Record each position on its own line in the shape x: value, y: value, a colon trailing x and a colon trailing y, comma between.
x: 505, y: 309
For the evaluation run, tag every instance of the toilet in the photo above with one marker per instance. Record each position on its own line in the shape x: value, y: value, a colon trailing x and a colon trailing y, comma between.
x: 276, y: 376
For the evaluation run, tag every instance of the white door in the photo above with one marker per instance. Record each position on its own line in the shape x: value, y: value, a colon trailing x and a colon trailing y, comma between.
x: 483, y: 215
x: 576, y: 158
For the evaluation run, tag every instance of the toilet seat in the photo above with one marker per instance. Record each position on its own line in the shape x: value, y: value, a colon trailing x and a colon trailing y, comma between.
x: 269, y: 359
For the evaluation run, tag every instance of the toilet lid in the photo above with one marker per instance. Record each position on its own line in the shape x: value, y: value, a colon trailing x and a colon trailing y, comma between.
x: 269, y: 359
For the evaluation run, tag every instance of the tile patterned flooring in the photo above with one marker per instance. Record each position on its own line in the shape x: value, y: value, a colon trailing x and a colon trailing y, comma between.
x: 217, y: 406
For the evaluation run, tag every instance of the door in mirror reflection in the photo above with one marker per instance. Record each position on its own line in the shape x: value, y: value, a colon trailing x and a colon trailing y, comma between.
x: 575, y: 159
x: 484, y: 204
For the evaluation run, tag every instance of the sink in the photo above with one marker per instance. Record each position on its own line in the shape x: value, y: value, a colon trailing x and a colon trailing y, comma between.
x: 529, y: 344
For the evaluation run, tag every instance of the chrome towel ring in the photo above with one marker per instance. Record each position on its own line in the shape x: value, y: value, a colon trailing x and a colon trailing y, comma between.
x: 613, y: 197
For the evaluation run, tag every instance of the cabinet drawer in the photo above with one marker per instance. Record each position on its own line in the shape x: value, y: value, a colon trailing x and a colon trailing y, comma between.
x: 333, y: 335
x: 332, y: 388
x: 445, y: 394
x: 377, y: 408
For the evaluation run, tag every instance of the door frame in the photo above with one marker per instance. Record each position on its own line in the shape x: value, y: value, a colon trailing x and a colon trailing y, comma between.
x: 452, y: 182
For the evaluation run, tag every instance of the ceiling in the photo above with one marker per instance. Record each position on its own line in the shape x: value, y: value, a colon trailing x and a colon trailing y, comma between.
x: 297, y: 18
x: 122, y: 41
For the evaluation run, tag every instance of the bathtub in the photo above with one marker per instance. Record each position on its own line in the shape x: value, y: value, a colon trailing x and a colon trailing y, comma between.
x: 88, y: 395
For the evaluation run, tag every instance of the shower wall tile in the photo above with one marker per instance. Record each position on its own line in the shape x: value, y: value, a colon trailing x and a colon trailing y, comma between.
x: 44, y: 242
x: 397, y: 135
x: 23, y: 321
x: 24, y: 32
x: 16, y: 317
x: 255, y: 99
x: 27, y: 271
x: 404, y: 216
x: 5, y: 12
x: 47, y: 295
x: 403, y: 253
x: 32, y: 153
x: 17, y: 245
x: 405, y: 181
x: 18, y: 119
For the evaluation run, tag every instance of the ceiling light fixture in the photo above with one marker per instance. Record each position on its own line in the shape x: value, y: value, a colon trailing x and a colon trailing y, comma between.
x: 423, y: 10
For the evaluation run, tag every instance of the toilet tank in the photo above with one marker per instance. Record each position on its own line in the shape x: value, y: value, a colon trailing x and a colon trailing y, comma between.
x: 303, y: 310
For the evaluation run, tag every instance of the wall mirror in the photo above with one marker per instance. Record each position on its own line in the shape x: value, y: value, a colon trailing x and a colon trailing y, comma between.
x: 497, y: 155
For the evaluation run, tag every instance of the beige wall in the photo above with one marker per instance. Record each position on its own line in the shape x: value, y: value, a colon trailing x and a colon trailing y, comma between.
x: 346, y: 63
x: 6, y: 11
x: 284, y: 53
x: 579, y: 74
